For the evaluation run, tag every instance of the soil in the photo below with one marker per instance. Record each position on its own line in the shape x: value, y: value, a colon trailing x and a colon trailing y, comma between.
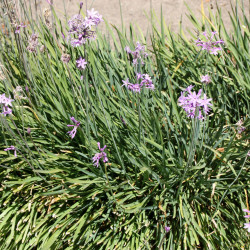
x: 137, y: 11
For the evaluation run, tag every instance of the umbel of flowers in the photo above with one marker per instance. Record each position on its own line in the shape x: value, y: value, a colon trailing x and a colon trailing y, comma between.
x: 5, y: 104
x: 193, y: 102
x: 98, y: 156
x: 138, y: 54
x: 146, y: 82
x: 81, y: 29
x: 72, y: 133
x: 210, y: 44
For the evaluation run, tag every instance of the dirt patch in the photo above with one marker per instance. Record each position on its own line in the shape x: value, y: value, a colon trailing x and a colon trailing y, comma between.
x: 137, y: 11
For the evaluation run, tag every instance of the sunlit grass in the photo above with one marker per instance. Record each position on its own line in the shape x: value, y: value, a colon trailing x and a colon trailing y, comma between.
x: 163, y: 169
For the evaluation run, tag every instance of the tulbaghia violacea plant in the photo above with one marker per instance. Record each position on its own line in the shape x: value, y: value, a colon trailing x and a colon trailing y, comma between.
x: 194, y: 103
x: 98, y: 156
x: 210, y: 44
x: 145, y: 81
x: 82, y: 29
x: 138, y: 54
x: 5, y: 103
x: 72, y: 133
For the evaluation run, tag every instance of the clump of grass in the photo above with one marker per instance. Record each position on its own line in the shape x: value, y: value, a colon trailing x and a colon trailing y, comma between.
x: 163, y: 169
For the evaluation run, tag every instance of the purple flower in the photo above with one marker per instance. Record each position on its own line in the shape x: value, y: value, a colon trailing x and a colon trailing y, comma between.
x: 78, y: 34
x: 246, y: 211
x: 190, y: 102
x: 7, y: 111
x: 194, y: 98
x: 127, y: 49
x: 98, y: 156
x: 126, y: 83
x: 167, y: 229
x: 94, y: 16
x: 205, y: 103
x: 240, y: 128
x: 247, y: 226
x: 81, y: 63
x: 5, y: 102
x: 139, y: 47
x: 210, y: 44
x: 214, y: 51
x: 80, y: 29
x: 189, y: 88
x: 134, y: 87
x: 206, y: 79
x: 81, y: 4
x: 146, y: 82
x: 72, y: 133
x: 18, y: 27
x: 89, y: 23
x: 139, y: 76
x: 137, y: 54
x: 11, y: 148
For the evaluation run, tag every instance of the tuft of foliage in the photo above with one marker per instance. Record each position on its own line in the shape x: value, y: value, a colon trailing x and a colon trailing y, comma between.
x: 164, y: 168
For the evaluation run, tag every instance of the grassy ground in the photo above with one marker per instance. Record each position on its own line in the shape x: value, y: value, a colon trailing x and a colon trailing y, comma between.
x: 163, y: 168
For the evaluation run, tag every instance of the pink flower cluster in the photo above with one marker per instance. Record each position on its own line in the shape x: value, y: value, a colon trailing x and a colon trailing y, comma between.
x: 138, y: 53
x: 146, y: 82
x: 72, y: 133
x: 5, y: 102
x: 98, y: 156
x: 194, y: 102
x: 80, y: 29
x: 210, y: 45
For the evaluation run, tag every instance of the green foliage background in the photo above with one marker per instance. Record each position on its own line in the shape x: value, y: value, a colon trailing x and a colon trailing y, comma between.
x: 163, y: 170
